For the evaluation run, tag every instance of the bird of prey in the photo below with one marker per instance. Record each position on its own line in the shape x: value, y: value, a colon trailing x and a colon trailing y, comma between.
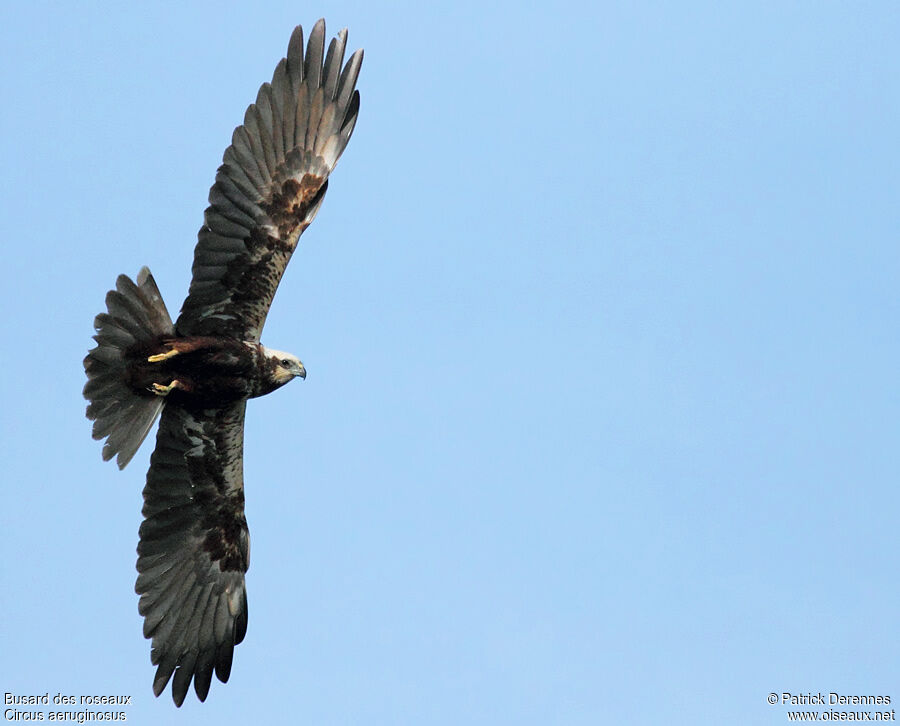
x: 198, y: 373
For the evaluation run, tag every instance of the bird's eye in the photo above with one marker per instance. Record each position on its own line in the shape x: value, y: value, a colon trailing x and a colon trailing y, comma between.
x: 285, y: 362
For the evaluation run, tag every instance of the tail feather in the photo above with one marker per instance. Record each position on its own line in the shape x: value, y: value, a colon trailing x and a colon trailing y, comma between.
x: 136, y: 314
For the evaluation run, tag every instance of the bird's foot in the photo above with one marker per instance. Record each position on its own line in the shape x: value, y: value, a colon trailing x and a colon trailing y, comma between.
x: 160, y: 357
x: 160, y: 390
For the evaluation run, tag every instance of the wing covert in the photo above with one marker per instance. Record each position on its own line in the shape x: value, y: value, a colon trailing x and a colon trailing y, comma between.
x: 194, y: 548
x: 269, y: 187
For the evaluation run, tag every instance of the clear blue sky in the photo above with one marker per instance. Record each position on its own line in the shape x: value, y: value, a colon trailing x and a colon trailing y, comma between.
x: 600, y: 316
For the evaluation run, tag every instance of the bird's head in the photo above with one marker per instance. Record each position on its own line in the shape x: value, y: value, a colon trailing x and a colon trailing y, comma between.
x: 282, y: 367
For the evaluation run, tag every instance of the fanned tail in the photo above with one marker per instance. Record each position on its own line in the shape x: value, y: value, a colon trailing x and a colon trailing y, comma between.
x: 136, y: 314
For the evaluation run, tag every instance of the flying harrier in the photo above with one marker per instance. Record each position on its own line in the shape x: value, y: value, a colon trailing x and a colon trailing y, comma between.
x: 199, y: 372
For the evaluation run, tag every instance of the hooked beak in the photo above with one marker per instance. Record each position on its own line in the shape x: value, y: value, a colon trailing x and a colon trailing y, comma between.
x: 302, y: 372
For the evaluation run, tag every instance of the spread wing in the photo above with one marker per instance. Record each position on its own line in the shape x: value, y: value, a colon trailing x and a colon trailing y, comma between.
x: 194, y: 547
x: 270, y: 185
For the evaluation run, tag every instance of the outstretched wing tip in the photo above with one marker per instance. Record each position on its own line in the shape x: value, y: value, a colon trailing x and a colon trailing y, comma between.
x: 194, y: 548
x: 290, y: 141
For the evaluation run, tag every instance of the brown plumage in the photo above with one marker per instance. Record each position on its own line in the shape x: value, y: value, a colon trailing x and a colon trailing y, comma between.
x: 199, y: 372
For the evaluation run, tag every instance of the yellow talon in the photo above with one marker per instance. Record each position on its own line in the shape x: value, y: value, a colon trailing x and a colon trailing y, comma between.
x: 160, y: 390
x: 160, y: 357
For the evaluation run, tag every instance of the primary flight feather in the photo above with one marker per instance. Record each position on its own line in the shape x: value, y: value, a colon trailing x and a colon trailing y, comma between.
x: 198, y: 373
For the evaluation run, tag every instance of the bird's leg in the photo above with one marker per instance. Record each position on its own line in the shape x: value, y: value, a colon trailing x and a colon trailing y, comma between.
x: 160, y: 357
x: 160, y: 390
